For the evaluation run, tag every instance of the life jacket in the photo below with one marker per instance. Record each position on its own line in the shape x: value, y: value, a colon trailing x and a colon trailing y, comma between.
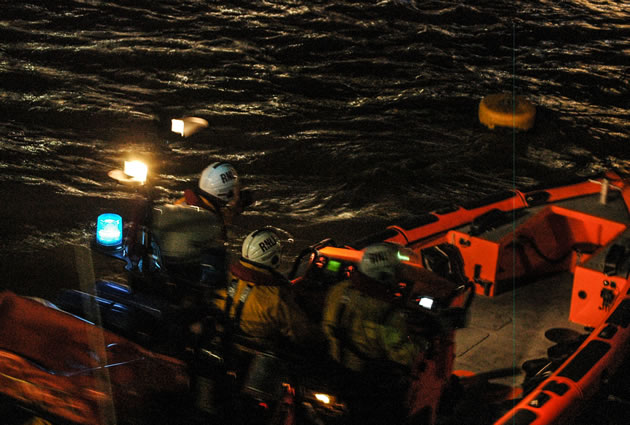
x: 193, y: 197
x: 257, y: 304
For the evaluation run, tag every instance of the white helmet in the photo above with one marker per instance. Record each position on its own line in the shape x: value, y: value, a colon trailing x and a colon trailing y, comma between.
x: 220, y: 180
x: 379, y: 262
x: 262, y: 247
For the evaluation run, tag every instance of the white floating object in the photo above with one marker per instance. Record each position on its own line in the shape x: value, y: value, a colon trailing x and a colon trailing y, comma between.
x: 188, y: 125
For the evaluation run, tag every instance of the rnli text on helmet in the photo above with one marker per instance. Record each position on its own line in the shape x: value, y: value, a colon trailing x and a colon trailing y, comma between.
x: 267, y: 243
x: 227, y: 176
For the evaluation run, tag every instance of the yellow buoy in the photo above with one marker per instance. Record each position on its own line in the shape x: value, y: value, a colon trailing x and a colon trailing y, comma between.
x: 507, y: 110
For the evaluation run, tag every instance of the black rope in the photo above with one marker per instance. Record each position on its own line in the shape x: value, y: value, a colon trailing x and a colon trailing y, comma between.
x: 526, y: 240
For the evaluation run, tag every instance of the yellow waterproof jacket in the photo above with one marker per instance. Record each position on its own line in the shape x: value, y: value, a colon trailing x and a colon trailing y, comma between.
x: 362, y: 329
x: 260, y: 305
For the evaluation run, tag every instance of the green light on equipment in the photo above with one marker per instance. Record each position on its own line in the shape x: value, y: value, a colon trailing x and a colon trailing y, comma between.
x: 333, y: 266
x: 402, y: 257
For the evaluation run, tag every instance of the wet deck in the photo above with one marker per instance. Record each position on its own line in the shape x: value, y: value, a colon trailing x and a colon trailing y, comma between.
x: 506, y: 330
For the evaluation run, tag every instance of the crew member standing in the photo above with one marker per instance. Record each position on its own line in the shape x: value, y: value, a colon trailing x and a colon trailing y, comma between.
x: 218, y: 191
x: 367, y: 333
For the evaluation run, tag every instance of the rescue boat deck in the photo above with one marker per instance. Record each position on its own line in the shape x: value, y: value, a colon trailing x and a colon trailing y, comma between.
x: 506, y: 330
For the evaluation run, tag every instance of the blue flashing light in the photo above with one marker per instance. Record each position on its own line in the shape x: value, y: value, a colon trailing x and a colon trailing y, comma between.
x: 109, y: 230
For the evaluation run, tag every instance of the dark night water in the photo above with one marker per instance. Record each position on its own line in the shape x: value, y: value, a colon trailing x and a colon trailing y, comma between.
x: 334, y: 112
x: 343, y: 116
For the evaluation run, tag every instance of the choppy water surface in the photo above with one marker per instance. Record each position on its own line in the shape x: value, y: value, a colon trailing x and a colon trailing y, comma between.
x: 338, y: 114
x: 343, y: 116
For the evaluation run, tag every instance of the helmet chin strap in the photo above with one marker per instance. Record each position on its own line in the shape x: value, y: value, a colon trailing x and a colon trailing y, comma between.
x: 260, y: 266
x: 215, y: 201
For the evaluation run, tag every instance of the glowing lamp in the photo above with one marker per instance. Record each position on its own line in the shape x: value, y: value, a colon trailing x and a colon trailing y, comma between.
x: 324, y: 398
x: 109, y: 230
x: 426, y: 302
x: 177, y: 126
x: 136, y: 170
